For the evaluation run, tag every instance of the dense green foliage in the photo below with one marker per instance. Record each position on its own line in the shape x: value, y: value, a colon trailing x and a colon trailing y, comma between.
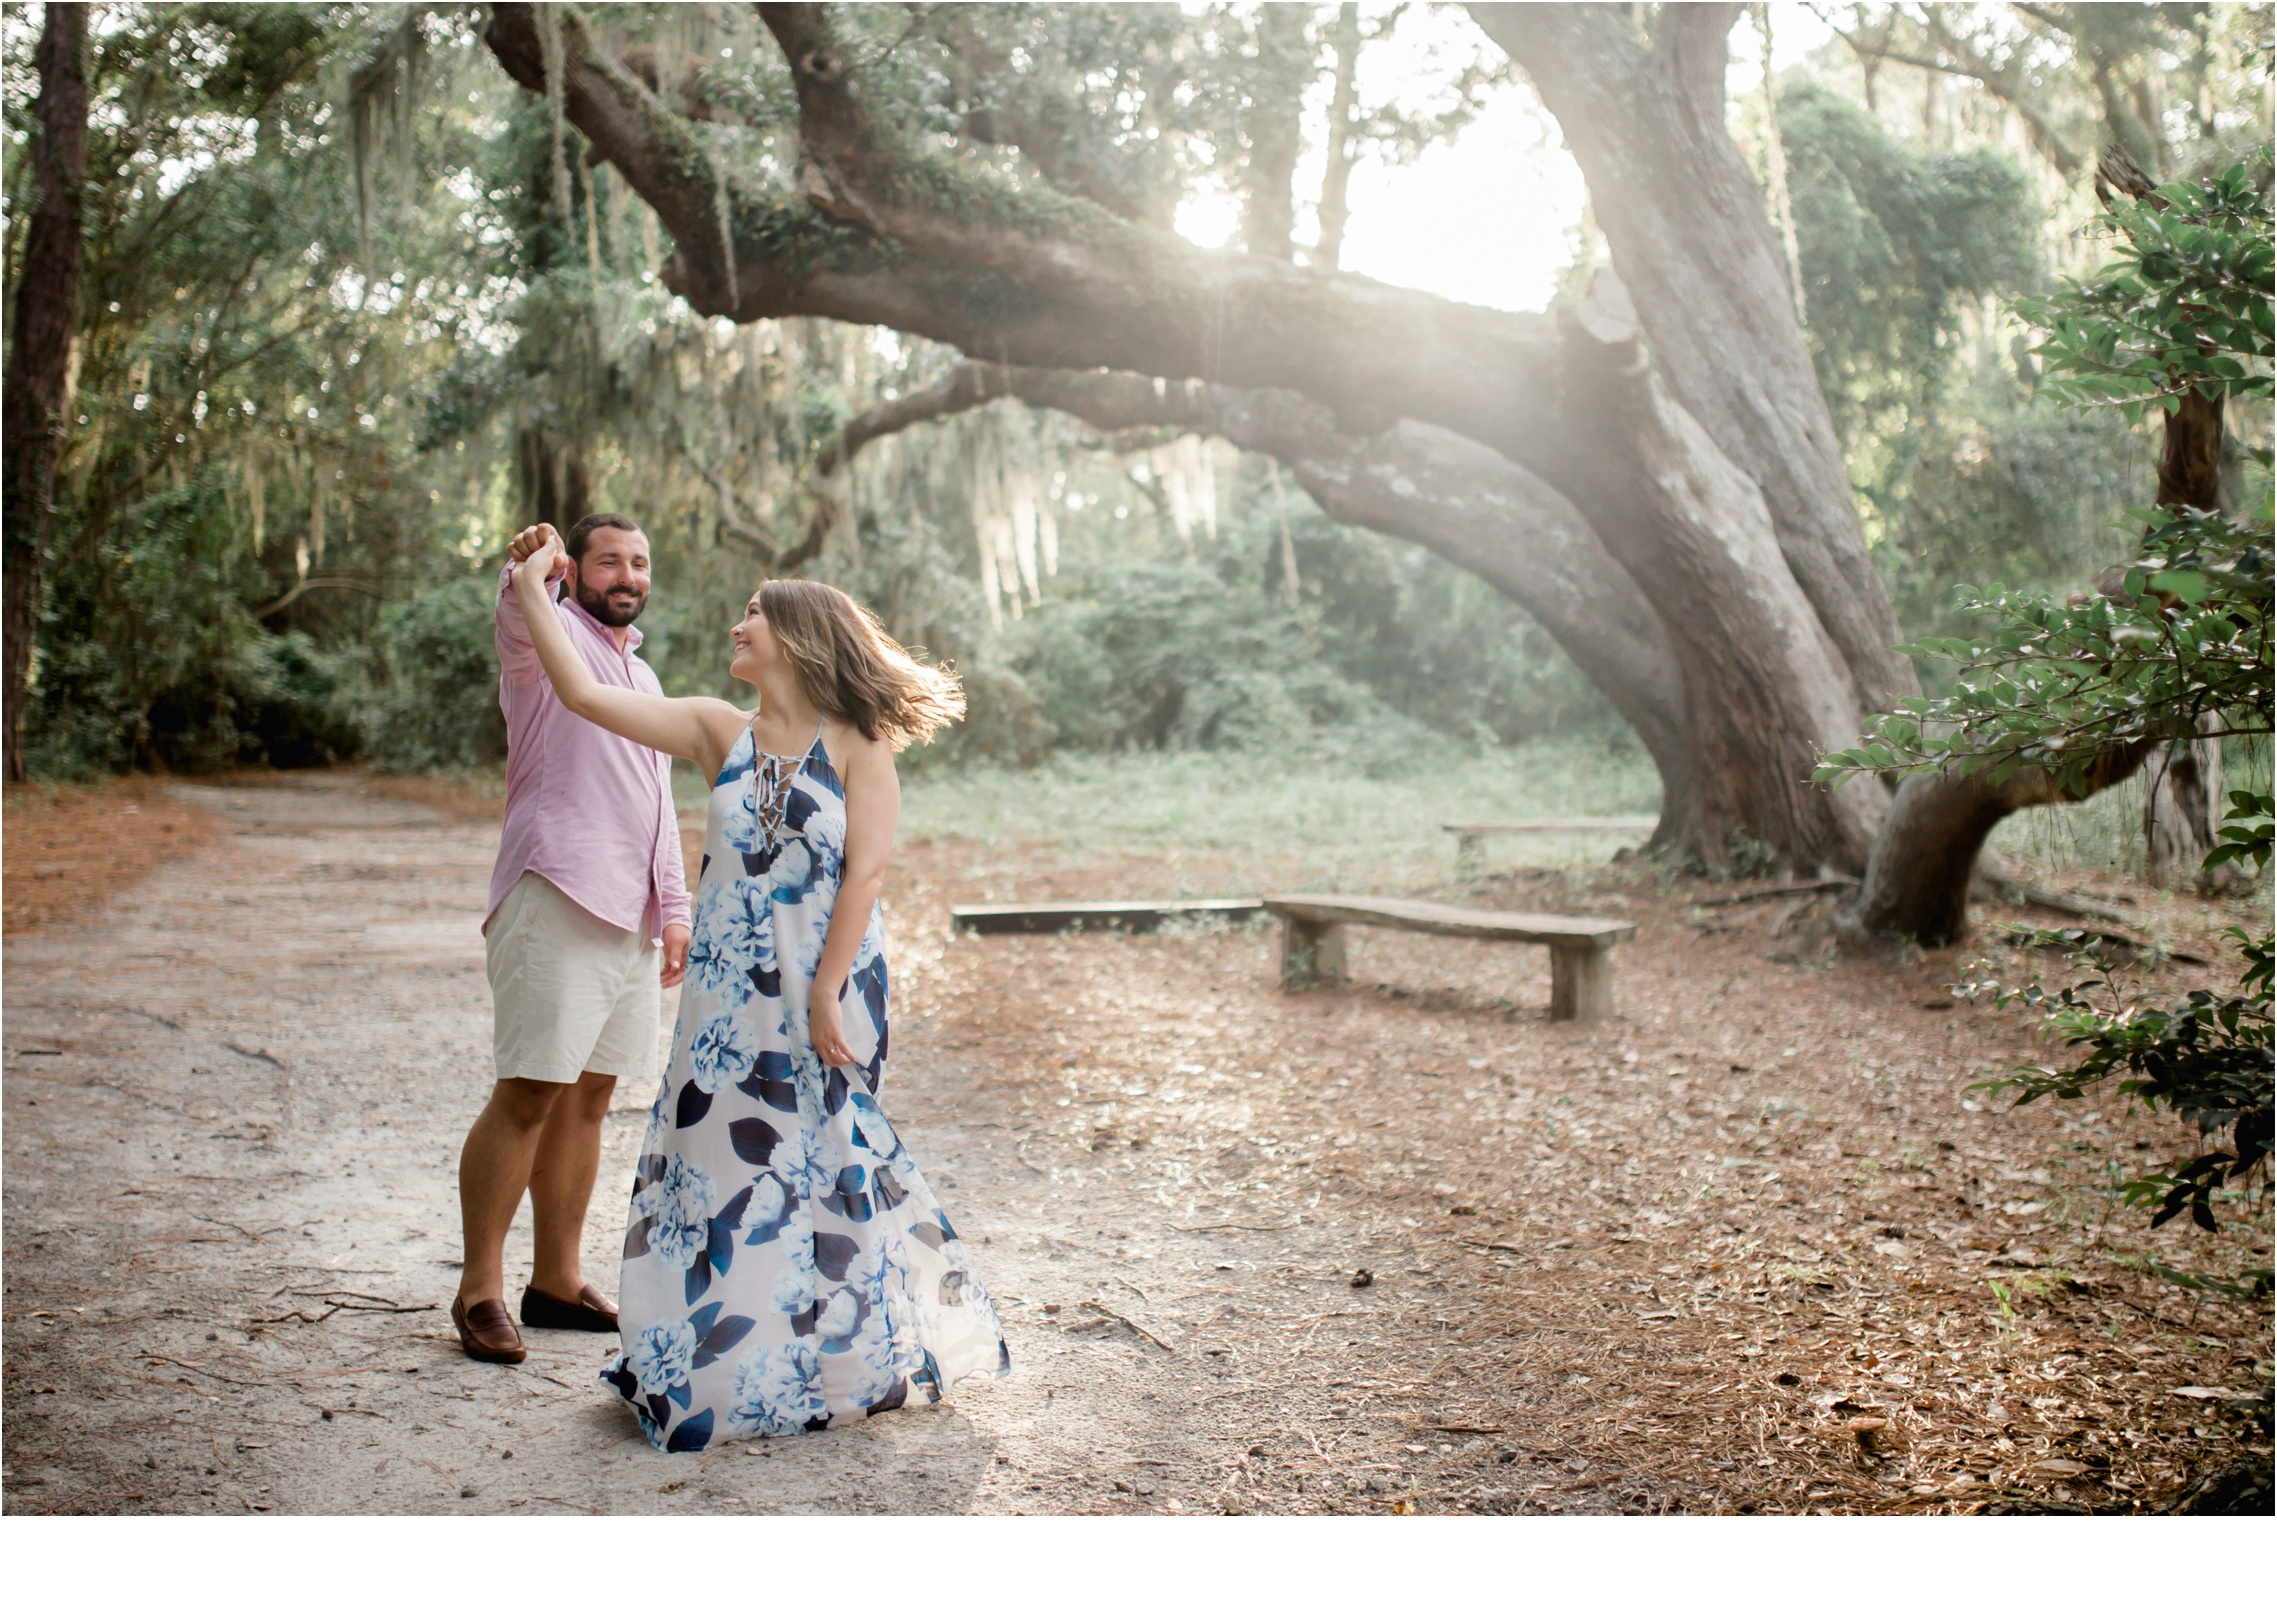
x: 2185, y: 305
x: 1898, y: 246
x: 239, y: 492
x: 2177, y: 644
x: 1957, y: 128
x: 1960, y: 465
x: 1146, y: 642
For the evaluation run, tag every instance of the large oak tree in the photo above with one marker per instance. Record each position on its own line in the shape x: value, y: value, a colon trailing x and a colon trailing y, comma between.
x: 1650, y: 469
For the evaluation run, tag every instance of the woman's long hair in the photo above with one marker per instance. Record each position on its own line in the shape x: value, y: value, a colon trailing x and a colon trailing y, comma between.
x: 852, y: 669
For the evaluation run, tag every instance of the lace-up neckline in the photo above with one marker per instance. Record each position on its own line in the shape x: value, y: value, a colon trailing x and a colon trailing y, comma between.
x: 771, y: 778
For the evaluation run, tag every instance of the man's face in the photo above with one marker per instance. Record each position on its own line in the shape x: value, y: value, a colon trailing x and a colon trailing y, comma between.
x: 610, y: 580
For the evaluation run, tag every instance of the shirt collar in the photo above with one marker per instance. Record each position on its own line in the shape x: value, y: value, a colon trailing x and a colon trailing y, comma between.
x: 569, y: 603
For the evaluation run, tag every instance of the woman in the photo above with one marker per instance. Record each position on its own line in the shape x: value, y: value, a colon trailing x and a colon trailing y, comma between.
x: 785, y: 1265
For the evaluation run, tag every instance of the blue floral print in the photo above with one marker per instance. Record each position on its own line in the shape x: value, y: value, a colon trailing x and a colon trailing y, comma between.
x: 786, y: 1266
x: 661, y: 1356
x: 722, y: 1052
x: 677, y: 1207
x: 778, y: 1391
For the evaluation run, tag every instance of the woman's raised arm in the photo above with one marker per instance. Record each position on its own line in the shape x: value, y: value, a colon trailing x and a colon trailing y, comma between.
x: 701, y: 729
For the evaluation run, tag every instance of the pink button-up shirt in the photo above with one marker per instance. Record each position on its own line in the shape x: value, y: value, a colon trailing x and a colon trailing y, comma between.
x: 585, y: 809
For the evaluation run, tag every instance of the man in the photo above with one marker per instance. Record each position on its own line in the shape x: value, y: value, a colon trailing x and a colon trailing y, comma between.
x: 588, y: 924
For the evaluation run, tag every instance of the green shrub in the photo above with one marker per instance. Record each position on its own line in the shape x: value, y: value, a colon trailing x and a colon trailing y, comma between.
x: 434, y: 700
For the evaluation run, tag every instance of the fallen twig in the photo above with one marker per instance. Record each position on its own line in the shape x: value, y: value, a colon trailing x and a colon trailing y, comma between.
x: 557, y: 1500
x: 1093, y: 1303
x: 249, y: 1235
x: 238, y: 1382
x: 1291, y: 1225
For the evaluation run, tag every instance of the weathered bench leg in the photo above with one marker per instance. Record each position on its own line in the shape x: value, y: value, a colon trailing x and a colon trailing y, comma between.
x: 1581, y: 983
x: 1311, y: 951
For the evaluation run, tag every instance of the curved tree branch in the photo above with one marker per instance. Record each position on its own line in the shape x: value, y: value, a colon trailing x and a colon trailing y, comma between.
x: 877, y: 231
x: 2007, y: 82
x: 743, y: 530
x: 1415, y: 482
x: 879, y: 234
x: 318, y: 581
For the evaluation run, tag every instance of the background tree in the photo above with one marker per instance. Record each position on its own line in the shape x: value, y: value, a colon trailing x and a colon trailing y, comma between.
x: 38, y: 387
x: 2177, y: 645
x: 2182, y: 322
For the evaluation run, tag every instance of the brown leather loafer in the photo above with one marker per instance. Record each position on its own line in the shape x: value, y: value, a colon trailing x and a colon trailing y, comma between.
x: 591, y: 1311
x: 486, y: 1331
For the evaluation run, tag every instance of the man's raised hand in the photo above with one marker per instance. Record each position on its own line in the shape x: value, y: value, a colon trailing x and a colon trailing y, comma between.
x: 535, y: 538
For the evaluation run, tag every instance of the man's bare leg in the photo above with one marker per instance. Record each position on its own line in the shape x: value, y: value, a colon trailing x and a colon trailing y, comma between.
x: 561, y: 1184
x: 494, y: 1171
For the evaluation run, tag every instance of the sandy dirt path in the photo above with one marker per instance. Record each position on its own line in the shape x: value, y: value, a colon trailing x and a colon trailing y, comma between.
x: 1659, y: 1265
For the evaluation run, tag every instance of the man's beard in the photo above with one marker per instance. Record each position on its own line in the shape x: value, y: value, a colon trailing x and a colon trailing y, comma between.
x: 615, y: 609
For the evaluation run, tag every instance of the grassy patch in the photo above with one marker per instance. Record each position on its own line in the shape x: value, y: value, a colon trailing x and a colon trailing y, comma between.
x: 1386, y: 802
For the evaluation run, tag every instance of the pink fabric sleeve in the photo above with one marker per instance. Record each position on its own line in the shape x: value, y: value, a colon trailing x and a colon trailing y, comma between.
x: 517, y: 653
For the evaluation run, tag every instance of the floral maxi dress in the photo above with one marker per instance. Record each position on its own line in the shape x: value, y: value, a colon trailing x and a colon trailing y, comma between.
x: 785, y: 1266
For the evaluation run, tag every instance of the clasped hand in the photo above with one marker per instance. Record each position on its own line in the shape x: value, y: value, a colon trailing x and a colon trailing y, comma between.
x: 532, y: 541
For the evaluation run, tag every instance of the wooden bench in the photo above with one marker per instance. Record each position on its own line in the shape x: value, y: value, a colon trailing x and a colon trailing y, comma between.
x: 1581, y: 951
x: 1094, y: 915
x: 1471, y: 835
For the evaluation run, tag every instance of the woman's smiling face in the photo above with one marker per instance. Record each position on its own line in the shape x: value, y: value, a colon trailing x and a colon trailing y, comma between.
x: 757, y: 651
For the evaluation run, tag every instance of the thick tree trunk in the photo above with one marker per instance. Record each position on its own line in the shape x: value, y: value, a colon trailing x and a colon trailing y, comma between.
x: 2182, y: 783
x: 1765, y: 687
x: 2182, y: 814
x: 33, y: 400
x: 1917, y: 885
x: 1689, y: 234
x: 2190, y: 459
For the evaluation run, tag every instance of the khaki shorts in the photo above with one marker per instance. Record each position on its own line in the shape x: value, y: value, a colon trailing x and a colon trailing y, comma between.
x: 569, y: 993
